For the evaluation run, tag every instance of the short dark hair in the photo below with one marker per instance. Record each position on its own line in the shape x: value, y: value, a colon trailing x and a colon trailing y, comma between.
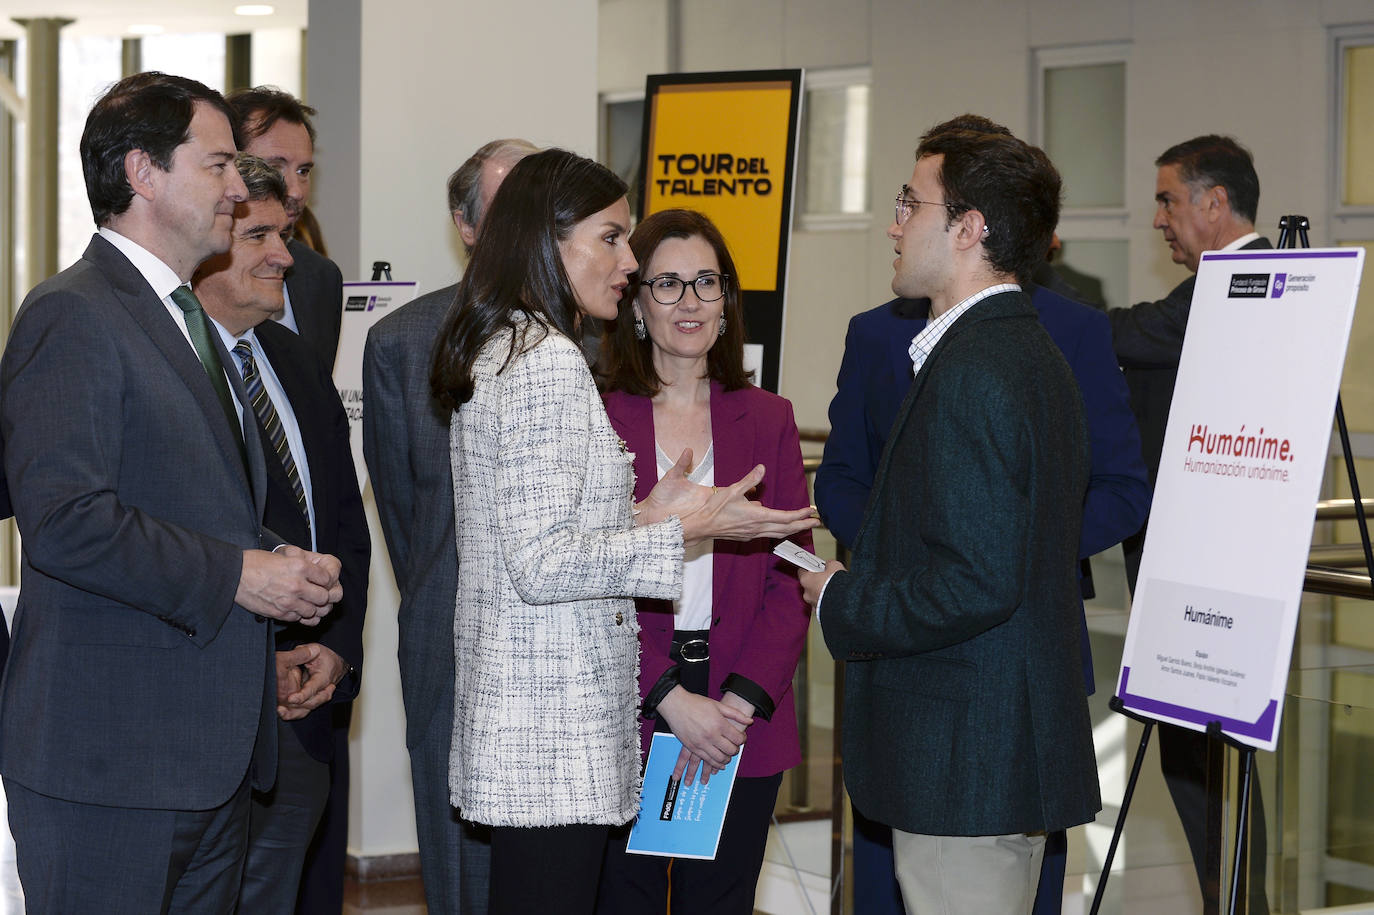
x: 149, y: 111
x: 261, y: 107
x: 1216, y: 161
x: 973, y: 122
x: 1013, y: 184
x: 630, y: 362
x: 517, y: 267
x: 465, y: 184
x: 262, y: 180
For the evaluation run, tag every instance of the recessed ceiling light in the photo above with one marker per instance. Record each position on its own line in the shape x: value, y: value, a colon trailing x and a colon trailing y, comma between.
x: 146, y: 28
x: 254, y: 9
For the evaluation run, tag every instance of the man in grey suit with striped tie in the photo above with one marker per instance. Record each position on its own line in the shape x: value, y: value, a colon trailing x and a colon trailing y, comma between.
x: 312, y: 501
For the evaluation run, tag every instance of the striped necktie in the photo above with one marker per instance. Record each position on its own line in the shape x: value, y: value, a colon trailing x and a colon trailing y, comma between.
x: 199, y: 330
x: 271, y: 423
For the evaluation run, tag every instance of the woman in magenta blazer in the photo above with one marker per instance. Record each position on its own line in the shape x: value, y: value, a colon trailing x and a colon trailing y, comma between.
x: 716, y: 666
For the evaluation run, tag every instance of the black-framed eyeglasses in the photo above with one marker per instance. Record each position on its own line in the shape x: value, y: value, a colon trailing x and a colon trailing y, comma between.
x: 669, y: 290
x: 908, y: 205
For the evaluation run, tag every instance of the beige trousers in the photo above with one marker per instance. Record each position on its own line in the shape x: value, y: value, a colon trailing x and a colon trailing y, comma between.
x: 968, y: 875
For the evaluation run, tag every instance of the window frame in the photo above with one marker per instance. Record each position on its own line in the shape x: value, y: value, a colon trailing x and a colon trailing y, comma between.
x: 822, y: 221
x: 1088, y: 222
x: 1348, y: 222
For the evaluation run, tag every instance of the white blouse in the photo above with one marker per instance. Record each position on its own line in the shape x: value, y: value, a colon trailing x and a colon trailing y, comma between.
x: 693, y: 610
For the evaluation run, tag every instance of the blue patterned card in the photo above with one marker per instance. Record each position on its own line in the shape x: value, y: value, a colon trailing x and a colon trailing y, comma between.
x: 678, y: 820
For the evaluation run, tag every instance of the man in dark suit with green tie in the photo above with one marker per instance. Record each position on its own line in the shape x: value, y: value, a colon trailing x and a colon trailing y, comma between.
x: 966, y: 718
x: 138, y: 704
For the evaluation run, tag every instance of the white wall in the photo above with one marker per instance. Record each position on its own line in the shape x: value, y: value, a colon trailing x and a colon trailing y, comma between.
x: 406, y: 90
x: 1258, y: 69
x: 277, y: 59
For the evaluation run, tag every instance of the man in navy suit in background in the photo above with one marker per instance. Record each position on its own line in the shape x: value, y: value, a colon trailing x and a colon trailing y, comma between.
x: 875, y: 375
x: 276, y: 127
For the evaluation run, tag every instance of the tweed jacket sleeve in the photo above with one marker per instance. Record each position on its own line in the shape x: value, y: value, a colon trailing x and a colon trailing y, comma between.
x: 547, y: 431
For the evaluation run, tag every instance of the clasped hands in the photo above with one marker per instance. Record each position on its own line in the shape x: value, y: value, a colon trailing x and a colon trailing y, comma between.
x: 719, y: 512
x: 289, y: 584
x: 306, y: 677
x: 711, y: 732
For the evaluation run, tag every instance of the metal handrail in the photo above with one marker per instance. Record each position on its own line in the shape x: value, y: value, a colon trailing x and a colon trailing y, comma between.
x: 1336, y: 555
x: 1320, y: 580
x: 1341, y: 509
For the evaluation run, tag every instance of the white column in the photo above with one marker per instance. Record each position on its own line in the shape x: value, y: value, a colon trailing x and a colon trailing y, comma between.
x: 406, y: 90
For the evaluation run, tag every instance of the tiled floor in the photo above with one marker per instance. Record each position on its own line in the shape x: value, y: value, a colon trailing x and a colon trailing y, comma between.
x: 384, y: 897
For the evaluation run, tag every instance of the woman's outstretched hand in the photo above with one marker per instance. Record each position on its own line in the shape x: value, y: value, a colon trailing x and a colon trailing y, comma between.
x: 720, y: 512
x: 673, y: 495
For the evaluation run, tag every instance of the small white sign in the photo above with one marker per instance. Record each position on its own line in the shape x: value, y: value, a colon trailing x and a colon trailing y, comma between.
x: 364, y: 304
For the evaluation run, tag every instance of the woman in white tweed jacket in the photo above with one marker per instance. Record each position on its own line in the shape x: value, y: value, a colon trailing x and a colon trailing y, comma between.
x: 551, y: 548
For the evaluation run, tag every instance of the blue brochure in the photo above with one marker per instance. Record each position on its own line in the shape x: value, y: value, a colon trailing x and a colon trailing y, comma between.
x: 678, y: 820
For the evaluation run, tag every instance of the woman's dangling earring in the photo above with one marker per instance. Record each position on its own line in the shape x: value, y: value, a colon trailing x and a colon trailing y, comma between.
x: 641, y: 332
x: 720, y: 331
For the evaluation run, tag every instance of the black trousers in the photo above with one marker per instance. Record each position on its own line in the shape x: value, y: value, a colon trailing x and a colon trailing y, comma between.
x: 546, y: 869
x: 281, y: 824
x: 644, y: 884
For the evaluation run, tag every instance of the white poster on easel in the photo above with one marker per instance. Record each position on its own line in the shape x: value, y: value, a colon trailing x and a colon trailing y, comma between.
x: 364, y: 304
x: 1216, y: 603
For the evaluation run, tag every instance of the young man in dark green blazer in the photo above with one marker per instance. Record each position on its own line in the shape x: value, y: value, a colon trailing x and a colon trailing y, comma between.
x: 966, y: 719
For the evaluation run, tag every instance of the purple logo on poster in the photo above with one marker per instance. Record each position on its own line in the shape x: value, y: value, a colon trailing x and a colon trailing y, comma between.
x: 1280, y: 280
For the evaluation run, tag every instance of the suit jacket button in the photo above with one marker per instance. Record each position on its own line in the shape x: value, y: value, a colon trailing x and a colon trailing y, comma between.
x: 619, y: 619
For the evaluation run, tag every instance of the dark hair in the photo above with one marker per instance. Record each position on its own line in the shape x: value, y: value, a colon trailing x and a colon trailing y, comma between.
x: 149, y: 111
x: 974, y: 122
x: 1013, y: 184
x: 1211, y: 161
x: 261, y: 107
x: 465, y: 184
x: 517, y: 265
x: 262, y: 180
x: 629, y: 362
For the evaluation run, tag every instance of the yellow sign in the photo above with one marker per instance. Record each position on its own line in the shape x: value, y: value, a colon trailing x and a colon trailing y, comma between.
x: 722, y: 148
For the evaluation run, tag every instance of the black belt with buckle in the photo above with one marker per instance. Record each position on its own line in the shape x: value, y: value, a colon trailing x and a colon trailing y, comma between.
x: 691, y: 650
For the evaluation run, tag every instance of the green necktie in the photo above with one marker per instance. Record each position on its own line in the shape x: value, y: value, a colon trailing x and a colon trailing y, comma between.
x: 199, y: 329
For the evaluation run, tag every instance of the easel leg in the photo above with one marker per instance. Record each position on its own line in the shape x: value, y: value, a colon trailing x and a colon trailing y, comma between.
x: 1240, y: 868
x: 1216, y: 821
x: 1125, y: 806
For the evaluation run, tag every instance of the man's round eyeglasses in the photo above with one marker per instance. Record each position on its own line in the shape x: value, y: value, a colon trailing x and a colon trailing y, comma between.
x: 669, y: 290
x: 908, y: 205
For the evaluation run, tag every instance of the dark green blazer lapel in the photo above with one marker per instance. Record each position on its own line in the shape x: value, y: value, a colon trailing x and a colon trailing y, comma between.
x: 1002, y: 305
